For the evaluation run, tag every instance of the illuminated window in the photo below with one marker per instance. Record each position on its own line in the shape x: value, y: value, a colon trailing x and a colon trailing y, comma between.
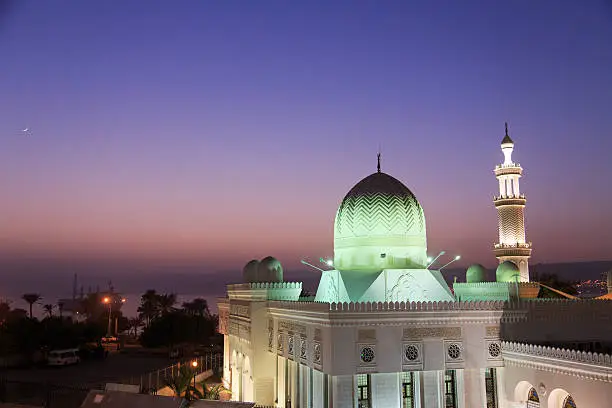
x: 363, y: 391
x: 569, y: 402
x: 490, y: 388
x: 450, y: 389
x: 407, y: 390
x: 533, y: 401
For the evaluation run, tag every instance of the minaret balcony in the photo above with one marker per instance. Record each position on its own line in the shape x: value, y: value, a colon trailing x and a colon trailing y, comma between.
x: 505, y: 169
x: 518, y: 249
x: 509, y: 200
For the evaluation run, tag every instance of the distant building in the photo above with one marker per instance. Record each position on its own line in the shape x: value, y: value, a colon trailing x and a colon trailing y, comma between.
x: 385, y: 330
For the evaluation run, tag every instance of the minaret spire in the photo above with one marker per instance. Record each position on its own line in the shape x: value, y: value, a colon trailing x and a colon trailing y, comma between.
x: 507, y: 129
x: 378, y: 166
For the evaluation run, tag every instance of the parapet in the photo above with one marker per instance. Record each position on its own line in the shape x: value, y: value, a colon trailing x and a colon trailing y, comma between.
x: 560, y: 353
x: 259, y: 291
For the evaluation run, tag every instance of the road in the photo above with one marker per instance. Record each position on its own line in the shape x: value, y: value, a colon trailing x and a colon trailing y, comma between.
x: 115, y: 368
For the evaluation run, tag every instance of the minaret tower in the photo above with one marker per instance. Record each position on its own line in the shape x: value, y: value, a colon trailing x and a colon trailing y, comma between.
x: 510, y: 206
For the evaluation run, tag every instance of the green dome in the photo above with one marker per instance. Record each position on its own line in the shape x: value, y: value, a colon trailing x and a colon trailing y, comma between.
x: 379, y: 225
x: 476, y: 273
x: 507, y: 271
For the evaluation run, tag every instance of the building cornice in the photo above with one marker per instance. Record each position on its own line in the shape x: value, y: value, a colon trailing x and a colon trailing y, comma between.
x: 591, y: 366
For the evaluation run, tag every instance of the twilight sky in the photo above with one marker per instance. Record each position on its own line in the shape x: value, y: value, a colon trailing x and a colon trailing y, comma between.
x: 213, y: 132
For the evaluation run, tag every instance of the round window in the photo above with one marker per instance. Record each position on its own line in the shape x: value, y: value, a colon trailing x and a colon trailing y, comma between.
x: 367, y: 354
x: 454, y: 351
x: 494, y: 350
x: 411, y: 352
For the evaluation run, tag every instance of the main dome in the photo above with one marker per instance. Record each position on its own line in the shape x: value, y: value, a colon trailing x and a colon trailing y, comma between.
x: 379, y: 225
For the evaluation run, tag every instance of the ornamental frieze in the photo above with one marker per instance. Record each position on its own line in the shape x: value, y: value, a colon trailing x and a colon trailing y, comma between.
x: 419, y: 333
x: 240, y: 310
x: 492, y: 331
x: 293, y: 327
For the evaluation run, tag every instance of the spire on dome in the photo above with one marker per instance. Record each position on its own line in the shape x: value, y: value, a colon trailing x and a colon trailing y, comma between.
x: 378, y: 166
x: 507, y: 139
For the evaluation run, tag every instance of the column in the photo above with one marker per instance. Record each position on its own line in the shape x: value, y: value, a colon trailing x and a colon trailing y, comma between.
x: 343, y: 391
x: 502, y: 190
x: 431, y: 389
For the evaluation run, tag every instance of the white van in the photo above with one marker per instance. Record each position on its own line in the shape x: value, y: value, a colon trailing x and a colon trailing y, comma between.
x: 63, y: 357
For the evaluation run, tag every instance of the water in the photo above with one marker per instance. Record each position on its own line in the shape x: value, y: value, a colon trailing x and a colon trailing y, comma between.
x: 129, y: 308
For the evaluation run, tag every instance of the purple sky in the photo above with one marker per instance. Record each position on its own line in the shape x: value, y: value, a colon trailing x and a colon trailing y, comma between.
x: 215, y: 132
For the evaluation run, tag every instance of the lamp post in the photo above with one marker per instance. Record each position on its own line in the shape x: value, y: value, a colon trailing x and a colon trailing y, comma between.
x: 194, y: 364
x: 107, y: 301
x: 431, y: 261
x: 458, y: 257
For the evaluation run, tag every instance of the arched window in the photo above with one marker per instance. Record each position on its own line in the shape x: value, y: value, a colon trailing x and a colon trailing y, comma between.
x: 569, y: 402
x: 533, y: 401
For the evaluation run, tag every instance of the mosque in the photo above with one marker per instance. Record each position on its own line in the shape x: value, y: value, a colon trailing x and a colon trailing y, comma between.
x: 385, y: 330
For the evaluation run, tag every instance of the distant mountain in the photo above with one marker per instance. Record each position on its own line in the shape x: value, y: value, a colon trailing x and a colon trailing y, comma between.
x: 55, y: 280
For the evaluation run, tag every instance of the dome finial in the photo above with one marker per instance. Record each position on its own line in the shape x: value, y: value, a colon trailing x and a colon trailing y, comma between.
x: 506, y: 128
x: 507, y: 139
x: 378, y: 166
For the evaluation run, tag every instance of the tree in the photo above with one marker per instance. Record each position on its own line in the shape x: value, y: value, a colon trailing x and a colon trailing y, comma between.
x: 134, y: 323
x: 197, y: 307
x: 149, y: 306
x: 5, y: 311
x: 180, y: 384
x: 48, y: 309
x: 166, y: 303
x: 31, y: 298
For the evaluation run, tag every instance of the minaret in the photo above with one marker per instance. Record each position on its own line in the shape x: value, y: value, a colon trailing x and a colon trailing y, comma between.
x: 510, y: 206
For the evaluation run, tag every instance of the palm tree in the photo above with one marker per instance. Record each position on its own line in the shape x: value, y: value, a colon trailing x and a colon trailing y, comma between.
x: 31, y: 298
x: 48, y: 309
x: 166, y: 303
x: 180, y: 383
x: 149, y: 306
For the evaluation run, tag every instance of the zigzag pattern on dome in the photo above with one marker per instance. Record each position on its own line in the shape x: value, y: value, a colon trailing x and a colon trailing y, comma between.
x: 380, y: 214
x: 379, y: 205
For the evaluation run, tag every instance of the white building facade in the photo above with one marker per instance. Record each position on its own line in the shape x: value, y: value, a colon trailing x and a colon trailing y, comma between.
x: 384, y: 331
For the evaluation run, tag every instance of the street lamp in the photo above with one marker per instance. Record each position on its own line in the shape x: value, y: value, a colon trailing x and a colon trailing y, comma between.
x: 431, y: 261
x: 194, y: 364
x: 458, y: 257
x: 107, y: 300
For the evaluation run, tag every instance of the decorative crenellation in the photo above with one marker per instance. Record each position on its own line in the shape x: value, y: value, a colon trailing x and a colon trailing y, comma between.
x: 265, y: 285
x: 389, y: 306
x: 419, y: 333
x: 560, y: 353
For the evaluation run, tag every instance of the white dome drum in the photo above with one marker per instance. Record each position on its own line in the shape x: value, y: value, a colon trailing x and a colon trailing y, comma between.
x: 379, y: 225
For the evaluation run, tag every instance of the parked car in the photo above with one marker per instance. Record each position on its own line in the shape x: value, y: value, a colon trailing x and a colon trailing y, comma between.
x: 63, y: 357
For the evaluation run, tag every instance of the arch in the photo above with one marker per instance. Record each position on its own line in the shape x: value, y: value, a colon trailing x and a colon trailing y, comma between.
x: 522, y: 390
x: 559, y: 398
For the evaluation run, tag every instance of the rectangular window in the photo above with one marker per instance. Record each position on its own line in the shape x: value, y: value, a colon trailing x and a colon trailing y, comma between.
x: 364, y: 399
x: 450, y: 389
x: 407, y: 390
x: 491, y: 388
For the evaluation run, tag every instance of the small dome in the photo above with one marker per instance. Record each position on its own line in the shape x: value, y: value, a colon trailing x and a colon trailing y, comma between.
x: 476, y: 273
x: 249, y: 272
x: 270, y: 270
x: 379, y: 225
x: 507, y: 271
